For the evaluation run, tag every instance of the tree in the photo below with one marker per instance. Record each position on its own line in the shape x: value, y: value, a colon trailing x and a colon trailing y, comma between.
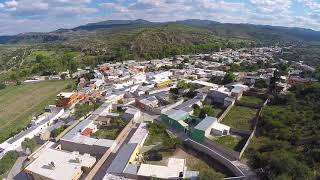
x: 207, y: 110
x: 216, y: 79
x: 30, y: 144
x: 40, y: 58
x: 260, y: 83
x: 229, y: 78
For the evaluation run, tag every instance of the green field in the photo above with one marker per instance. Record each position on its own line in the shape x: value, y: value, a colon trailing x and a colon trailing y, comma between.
x: 251, y: 100
x: 18, y: 104
x: 240, y: 117
x: 231, y: 142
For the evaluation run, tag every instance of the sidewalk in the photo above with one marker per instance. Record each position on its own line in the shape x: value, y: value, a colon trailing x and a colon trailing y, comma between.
x: 15, y: 172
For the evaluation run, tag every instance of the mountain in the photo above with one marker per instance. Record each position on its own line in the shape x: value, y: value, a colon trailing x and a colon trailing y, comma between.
x: 258, y: 33
x: 113, y: 24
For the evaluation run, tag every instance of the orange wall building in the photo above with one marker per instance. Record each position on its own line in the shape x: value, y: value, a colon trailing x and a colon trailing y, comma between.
x: 66, y: 99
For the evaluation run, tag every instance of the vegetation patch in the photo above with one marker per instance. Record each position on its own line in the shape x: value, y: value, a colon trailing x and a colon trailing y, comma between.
x: 157, y: 134
x: 29, y: 144
x: 7, y: 162
x: 240, y: 117
x: 55, y: 133
x: 286, y: 120
x: 83, y: 109
x: 251, y: 100
x: 110, y: 132
x: 229, y: 141
x: 206, y: 110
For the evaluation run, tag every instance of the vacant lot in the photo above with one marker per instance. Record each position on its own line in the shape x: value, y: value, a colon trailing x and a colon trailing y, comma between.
x: 229, y: 141
x: 240, y: 117
x: 18, y: 104
x: 251, y: 100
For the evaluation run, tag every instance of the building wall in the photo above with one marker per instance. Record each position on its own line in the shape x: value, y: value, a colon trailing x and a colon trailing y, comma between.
x: 164, y: 83
x: 83, y: 148
x: 65, y: 102
x: 171, y: 122
x: 34, y: 176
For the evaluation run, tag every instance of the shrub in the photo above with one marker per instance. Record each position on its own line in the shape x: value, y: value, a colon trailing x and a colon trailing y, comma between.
x: 7, y: 161
x: 153, y: 156
x: 2, y: 86
x: 30, y: 144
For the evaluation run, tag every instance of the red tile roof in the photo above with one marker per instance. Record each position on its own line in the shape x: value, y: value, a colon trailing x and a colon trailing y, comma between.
x: 86, y: 132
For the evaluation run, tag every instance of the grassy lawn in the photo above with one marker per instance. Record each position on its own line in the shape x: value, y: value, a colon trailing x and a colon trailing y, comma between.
x: 18, y: 104
x: 251, y: 100
x: 240, y: 117
x: 231, y: 142
x: 106, y: 134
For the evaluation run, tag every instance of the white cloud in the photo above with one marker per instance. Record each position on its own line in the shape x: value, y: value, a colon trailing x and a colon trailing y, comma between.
x: 10, y: 5
x: 272, y: 6
x: 68, y: 13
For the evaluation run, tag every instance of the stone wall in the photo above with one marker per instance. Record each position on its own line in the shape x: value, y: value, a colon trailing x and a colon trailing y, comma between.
x: 256, y: 121
x: 225, y: 112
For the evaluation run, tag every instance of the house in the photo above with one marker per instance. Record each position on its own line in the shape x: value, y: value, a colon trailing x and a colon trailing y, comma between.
x: 175, y: 169
x: 175, y: 118
x: 160, y: 78
x: 52, y: 163
x: 131, y: 113
x: 77, y: 139
x: 219, y: 95
x: 238, y: 90
x: 66, y: 99
x: 147, y: 103
x: 207, y: 126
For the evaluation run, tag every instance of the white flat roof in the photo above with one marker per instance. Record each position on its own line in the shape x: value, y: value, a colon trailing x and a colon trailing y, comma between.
x: 171, y: 171
x: 65, y: 164
x: 66, y: 94
x: 204, y: 83
x: 140, y: 135
x: 220, y: 127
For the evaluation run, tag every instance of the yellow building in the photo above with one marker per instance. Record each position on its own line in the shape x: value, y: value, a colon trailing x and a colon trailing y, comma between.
x: 164, y: 83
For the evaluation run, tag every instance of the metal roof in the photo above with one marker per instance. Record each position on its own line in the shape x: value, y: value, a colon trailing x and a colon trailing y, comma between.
x: 206, y: 123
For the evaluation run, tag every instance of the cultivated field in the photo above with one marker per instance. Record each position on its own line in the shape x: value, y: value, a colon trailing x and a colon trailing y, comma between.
x: 18, y: 104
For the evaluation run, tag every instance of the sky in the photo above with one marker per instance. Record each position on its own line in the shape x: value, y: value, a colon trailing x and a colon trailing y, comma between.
x: 18, y: 16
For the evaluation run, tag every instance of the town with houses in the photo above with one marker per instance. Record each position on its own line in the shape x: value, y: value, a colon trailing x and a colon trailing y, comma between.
x: 144, y: 109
